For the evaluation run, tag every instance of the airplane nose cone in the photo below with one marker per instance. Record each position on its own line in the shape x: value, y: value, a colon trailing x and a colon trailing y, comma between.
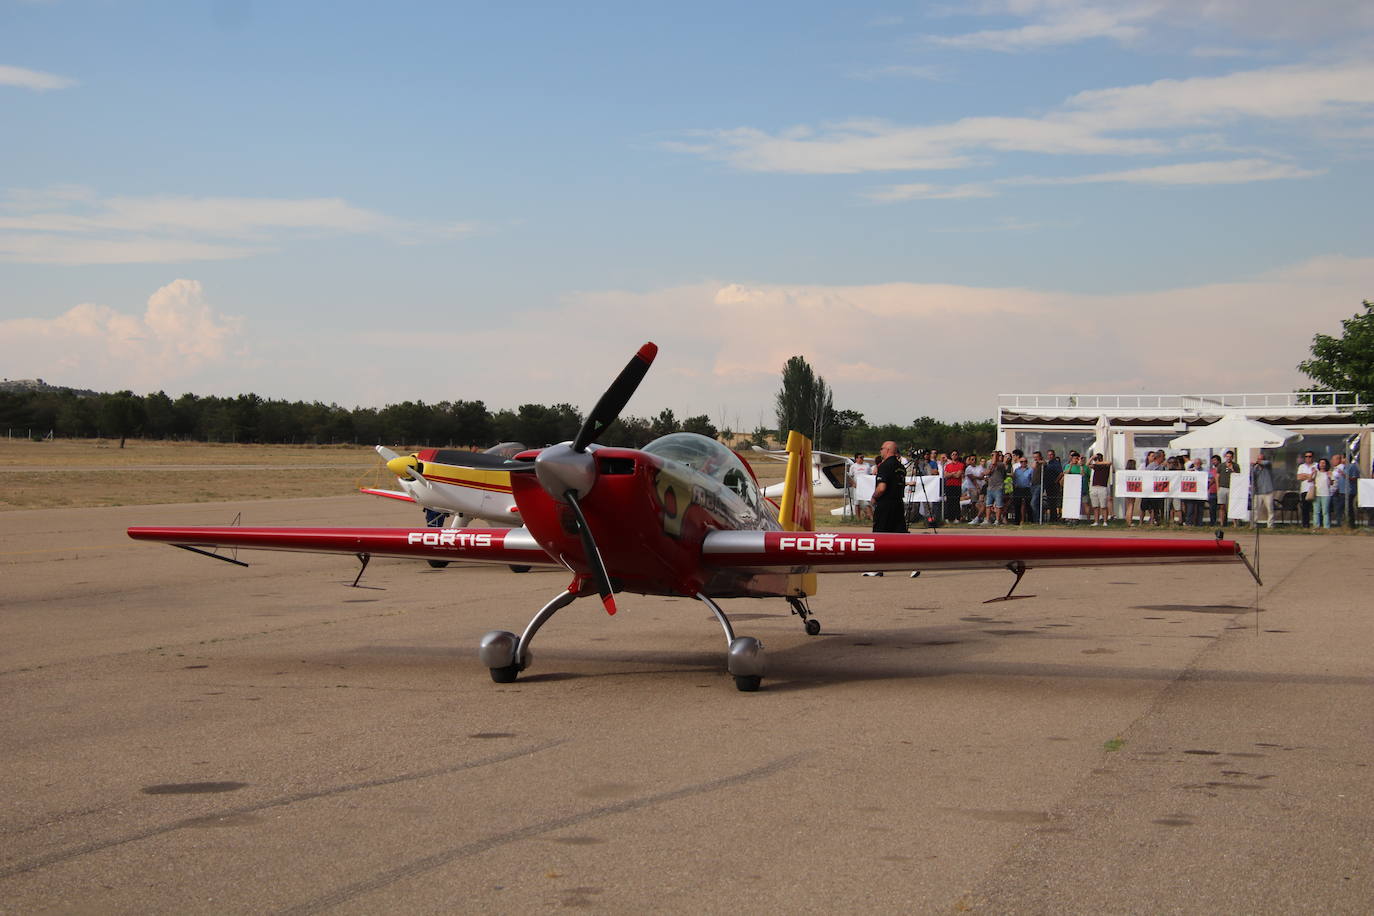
x: 401, y: 465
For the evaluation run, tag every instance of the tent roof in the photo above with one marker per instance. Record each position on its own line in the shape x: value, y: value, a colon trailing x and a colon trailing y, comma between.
x: 1235, y: 431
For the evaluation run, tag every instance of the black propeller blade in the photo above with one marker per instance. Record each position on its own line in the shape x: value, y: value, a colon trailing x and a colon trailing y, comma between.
x: 568, y: 472
x: 616, y: 397
x: 603, y: 581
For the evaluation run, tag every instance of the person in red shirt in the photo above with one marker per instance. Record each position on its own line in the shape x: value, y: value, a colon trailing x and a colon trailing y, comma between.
x: 954, y: 482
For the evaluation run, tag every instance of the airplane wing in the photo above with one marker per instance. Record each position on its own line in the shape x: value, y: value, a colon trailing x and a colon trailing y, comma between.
x: 779, y: 454
x: 810, y: 551
x: 389, y: 494
x: 509, y: 546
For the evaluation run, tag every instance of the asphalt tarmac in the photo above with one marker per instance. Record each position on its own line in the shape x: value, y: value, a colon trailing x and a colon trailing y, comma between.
x: 185, y: 736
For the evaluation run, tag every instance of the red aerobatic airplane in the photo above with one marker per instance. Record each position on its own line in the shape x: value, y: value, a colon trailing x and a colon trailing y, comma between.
x: 683, y: 516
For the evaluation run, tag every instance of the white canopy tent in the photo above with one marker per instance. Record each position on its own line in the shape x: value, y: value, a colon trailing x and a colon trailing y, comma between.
x: 1235, y: 431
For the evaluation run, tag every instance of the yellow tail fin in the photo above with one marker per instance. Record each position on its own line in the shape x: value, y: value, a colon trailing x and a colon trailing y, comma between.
x: 797, y: 511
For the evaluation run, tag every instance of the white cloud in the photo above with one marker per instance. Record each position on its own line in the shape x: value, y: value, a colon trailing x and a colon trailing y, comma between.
x: 1061, y: 26
x: 72, y: 225
x: 1271, y: 94
x: 28, y: 248
x: 917, y: 191
x: 1060, y: 22
x: 1144, y: 119
x: 722, y: 345
x: 36, y: 80
x: 1272, y: 20
x: 877, y: 146
x: 1234, y: 171
x: 91, y: 345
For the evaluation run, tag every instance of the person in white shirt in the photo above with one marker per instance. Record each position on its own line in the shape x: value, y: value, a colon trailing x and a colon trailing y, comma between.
x: 1321, y: 495
x: 974, y: 472
x: 860, y: 468
x: 1306, y: 471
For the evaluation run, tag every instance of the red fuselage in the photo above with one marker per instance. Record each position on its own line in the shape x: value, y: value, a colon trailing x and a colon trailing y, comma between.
x: 649, y: 515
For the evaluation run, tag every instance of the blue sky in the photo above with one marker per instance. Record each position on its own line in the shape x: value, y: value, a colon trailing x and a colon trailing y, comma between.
x: 934, y: 203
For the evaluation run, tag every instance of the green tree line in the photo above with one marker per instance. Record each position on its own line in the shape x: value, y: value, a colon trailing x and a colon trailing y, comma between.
x: 252, y: 419
x: 804, y: 403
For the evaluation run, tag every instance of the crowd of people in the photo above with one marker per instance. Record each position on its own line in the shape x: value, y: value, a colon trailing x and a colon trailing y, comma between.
x: 1011, y: 488
x: 1327, y: 490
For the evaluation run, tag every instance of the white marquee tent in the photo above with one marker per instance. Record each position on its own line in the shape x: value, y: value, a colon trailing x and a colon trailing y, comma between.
x: 1235, y: 431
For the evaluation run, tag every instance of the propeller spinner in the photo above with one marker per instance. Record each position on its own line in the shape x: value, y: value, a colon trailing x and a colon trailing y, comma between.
x: 568, y: 472
x: 402, y: 465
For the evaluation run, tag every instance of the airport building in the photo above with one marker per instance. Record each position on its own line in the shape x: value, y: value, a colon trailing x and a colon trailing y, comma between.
x: 1138, y: 423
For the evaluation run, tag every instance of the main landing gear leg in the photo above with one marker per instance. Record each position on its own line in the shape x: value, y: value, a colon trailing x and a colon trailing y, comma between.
x: 744, y: 659
x: 813, y: 626
x: 506, y: 656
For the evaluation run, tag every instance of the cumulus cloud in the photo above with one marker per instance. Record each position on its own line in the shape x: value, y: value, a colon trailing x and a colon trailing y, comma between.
x: 885, y: 348
x: 36, y: 80
x: 73, y: 225
x: 95, y: 346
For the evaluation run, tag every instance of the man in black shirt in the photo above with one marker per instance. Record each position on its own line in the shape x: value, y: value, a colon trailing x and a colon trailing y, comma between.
x: 1054, y: 491
x: 888, y: 492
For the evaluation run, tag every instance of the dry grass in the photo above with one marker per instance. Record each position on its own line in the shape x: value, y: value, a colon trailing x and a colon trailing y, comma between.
x: 96, y: 472
x: 79, y: 473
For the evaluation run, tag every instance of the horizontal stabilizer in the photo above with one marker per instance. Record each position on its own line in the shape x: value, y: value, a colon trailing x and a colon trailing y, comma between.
x: 389, y: 494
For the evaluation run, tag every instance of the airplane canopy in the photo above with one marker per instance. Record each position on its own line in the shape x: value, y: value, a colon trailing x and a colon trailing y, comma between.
x: 711, y: 458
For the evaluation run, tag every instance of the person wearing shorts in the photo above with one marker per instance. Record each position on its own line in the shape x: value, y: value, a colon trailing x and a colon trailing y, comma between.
x: 1099, y: 494
x: 994, y: 511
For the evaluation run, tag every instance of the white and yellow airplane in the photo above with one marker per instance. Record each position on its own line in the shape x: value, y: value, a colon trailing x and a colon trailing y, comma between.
x: 455, y: 487
x: 829, y: 474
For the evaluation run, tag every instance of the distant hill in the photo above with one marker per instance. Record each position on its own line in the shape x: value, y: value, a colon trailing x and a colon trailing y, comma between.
x: 17, y: 385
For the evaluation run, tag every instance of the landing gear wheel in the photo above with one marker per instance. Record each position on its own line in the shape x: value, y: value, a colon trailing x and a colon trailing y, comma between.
x: 743, y: 683
x: 519, y: 569
x: 437, y: 564
x: 813, y: 627
x: 508, y: 674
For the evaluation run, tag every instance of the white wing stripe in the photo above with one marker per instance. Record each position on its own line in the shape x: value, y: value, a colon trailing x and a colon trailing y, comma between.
x: 719, y: 542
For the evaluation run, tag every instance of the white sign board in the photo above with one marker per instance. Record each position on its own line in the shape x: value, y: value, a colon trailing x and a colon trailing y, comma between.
x: 1365, y: 495
x: 1162, y: 484
x: 1238, y: 509
x: 863, y: 488
x: 1073, y: 496
x: 928, y: 490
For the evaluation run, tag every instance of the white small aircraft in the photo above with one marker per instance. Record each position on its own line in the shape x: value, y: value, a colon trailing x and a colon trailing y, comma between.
x: 829, y: 474
x: 455, y: 487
